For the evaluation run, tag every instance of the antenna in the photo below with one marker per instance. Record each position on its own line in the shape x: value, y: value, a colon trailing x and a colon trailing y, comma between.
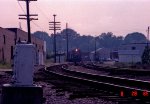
x: 20, y: 26
x: 148, y: 34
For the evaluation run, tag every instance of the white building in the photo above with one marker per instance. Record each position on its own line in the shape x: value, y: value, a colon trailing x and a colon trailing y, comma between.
x: 131, y: 53
x: 129, y: 56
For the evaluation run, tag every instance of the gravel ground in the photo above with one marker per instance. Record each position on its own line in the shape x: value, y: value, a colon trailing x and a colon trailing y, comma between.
x: 51, y: 94
x: 53, y: 97
x: 62, y: 97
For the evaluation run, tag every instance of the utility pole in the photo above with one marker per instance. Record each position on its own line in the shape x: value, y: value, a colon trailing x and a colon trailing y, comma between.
x: 95, y: 49
x: 147, y: 35
x: 67, y: 40
x: 60, y: 48
x: 54, y: 26
x: 27, y: 17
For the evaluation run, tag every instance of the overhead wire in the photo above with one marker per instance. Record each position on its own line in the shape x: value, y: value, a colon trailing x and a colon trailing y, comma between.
x: 21, y: 6
x: 31, y: 21
x: 38, y: 26
x: 44, y: 15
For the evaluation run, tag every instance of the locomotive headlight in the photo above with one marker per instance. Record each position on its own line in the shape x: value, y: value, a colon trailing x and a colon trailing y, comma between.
x: 76, y: 50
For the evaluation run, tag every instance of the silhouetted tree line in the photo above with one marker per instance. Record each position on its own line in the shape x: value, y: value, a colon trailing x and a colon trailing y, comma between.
x: 86, y: 42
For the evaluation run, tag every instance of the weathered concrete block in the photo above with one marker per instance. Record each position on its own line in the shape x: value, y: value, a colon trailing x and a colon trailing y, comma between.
x: 21, y: 94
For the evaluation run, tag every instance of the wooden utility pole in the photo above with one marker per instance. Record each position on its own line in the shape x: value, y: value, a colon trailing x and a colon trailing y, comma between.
x: 67, y: 40
x: 95, y: 50
x: 148, y: 35
x: 27, y: 17
x: 54, y: 26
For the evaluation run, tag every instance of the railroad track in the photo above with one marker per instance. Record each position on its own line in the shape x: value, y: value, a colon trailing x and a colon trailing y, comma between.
x: 116, y: 70
x: 116, y: 89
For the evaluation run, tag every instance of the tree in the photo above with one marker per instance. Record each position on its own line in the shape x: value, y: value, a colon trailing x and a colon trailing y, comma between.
x: 72, y: 33
x: 44, y: 36
x: 135, y: 37
x: 146, y: 55
x: 108, y: 40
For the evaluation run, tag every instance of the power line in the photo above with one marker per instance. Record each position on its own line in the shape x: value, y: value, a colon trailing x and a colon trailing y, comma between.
x: 44, y: 15
x: 21, y: 6
x: 38, y: 26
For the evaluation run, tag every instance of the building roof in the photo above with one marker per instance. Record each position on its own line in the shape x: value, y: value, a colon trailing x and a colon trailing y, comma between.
x: 134, y: 46
x: 100, y: 50
x: 136, y: 43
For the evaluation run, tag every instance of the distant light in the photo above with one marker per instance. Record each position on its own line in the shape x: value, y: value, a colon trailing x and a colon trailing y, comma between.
x: 76, y: 50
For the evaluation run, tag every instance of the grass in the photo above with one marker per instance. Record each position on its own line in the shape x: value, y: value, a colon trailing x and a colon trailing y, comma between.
x: 48, y: 63
x: 5, y: 66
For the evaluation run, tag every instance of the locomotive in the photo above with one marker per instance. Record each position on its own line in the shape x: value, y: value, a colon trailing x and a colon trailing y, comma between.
x: 75, y: 56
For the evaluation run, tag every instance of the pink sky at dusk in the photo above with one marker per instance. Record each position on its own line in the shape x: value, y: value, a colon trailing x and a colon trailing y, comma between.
x: 84, y: 16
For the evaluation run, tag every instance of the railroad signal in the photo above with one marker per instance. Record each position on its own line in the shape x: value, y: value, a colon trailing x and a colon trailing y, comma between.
x: 134, y: 93
x: 54, y: 26
x: 145, y: 93
x: 122, y: 94
x: 28, y: 18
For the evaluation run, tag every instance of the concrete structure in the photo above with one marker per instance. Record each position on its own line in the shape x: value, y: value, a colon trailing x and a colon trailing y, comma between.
x: 24, y: 61
x: 8, y: 39
x: 131, y: 53
x: 23, y: 91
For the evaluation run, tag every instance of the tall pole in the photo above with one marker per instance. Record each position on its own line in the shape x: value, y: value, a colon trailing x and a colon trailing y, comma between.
x: 28, y: 21
x: 95, y: 49
x: 54, y: 40
x: 60, y: 48
x: 54, y: 26
x: 147, y: 35
x: 28, y: 18
x: 67, y: 39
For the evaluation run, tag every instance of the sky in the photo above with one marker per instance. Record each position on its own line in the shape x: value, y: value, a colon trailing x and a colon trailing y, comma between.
x: 87, y: 17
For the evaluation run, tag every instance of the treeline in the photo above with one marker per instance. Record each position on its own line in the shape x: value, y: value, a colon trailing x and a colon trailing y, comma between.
x: 87, y: 42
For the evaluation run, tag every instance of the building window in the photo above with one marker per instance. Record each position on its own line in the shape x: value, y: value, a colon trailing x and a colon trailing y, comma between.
x: 4, y: 39
x: 133, y: 48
